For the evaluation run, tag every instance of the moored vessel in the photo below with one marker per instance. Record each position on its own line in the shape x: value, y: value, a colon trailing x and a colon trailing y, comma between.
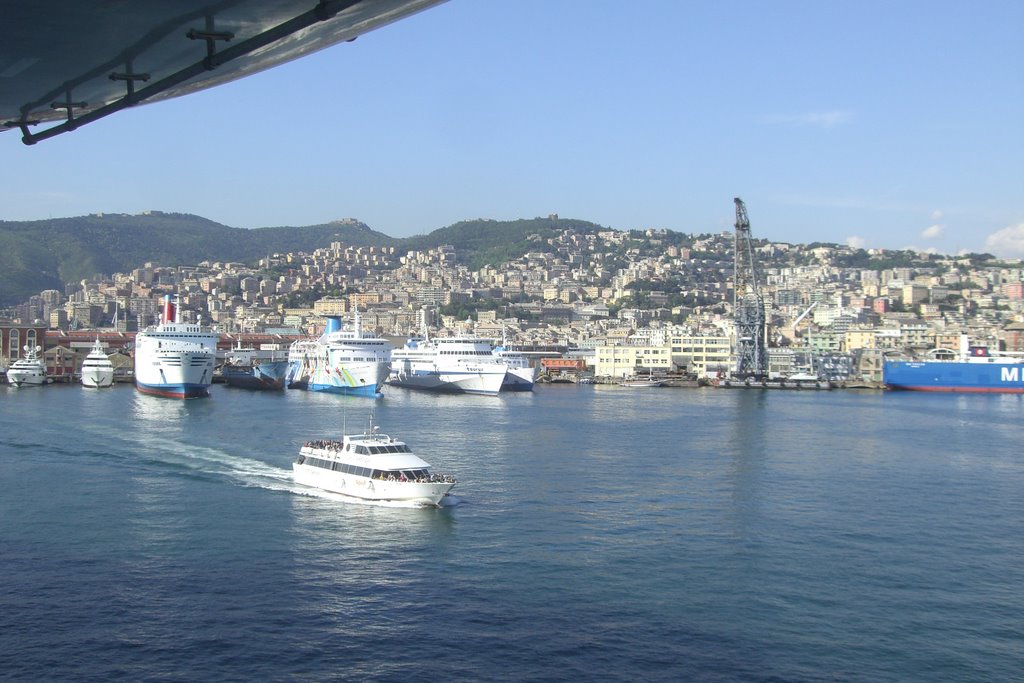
x: 341, y: 361
x: 371, y: 467
x: 265, y: 375
x: 244, y: 369
x: 175, y: 359
x: 452, y: 365
x: 519, y: 374
x: 97, y: 370
x: 973, y: 370
x: 642, y: 382
x: 28, y: 371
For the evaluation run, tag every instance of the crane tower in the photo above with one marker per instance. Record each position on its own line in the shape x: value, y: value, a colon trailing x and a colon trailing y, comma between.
x: 748, y: 304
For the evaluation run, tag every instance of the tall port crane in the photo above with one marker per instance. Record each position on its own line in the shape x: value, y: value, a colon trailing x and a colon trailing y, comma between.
x: 747, y: 303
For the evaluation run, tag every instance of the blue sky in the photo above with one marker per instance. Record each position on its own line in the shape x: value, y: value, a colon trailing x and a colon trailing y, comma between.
x: 882, y: 124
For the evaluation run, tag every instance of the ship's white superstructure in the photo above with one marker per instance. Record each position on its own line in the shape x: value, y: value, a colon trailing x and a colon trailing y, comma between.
x: 456, y: 365
x: 341, y: 361
x: 372, y: 467
x: 28, y: 371
x: 175, y: 359
x: 97, y: 370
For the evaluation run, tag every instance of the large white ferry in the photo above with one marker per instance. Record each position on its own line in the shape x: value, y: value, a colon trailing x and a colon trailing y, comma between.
x: 97, y: 370
x: 455, y: 365
x: 28, y: 371
x: 370, y: 466
x: 341, y: 361
x: 175, y: 359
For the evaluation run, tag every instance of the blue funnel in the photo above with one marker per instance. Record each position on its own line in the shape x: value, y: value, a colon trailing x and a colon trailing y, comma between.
x: 333, y: 324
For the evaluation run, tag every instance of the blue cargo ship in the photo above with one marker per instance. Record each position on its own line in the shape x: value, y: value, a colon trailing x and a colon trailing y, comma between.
x: 975, y: 371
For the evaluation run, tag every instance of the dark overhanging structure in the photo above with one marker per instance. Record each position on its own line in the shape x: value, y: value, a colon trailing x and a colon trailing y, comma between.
x: 72, y: 62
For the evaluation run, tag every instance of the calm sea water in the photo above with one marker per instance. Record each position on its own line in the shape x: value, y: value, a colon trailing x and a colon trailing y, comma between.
x: 598, y: 533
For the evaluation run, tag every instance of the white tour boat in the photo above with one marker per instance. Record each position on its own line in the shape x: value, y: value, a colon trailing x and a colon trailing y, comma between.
x: 341, y: 361
x: 28, y: 371
x: 175, y: 359
x: 372, y: 467
x: 456, y: 365
x: 97, y: 370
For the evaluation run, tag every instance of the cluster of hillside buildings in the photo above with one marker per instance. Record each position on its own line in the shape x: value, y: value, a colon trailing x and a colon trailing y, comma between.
x: 625, y: 302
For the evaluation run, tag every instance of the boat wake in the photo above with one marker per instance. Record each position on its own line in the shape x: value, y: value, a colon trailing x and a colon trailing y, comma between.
x: 172, y: 454
x: 205, y: 461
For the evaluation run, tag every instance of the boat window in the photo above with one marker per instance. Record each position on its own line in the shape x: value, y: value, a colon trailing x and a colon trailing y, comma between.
x: 362, y: 450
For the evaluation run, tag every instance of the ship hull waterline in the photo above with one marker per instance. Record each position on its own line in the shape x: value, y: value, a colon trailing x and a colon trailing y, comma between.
x: 372, y: 490
x: 955, y: 377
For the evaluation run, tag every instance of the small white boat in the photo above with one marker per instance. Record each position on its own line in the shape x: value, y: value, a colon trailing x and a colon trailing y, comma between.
x: 642, y: 382
x: 97, y: 370
x: 28, y: 371
x: 372, y: 467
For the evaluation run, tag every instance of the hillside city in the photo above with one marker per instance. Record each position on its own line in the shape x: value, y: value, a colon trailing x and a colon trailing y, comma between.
x: 622, y: 302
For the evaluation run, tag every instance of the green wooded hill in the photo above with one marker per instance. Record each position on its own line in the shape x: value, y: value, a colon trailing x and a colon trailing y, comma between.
x: 38, y: 255
x: 46, y: 254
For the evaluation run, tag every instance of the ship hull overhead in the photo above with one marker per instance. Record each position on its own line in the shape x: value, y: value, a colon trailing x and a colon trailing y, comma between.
x: 66, y: 63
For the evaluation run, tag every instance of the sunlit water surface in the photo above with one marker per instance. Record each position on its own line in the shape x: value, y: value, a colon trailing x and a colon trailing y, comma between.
x: 596, y: 533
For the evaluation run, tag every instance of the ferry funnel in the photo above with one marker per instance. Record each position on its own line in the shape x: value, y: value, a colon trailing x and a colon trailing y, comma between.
x: 333, y: 324
x: 169, y: 310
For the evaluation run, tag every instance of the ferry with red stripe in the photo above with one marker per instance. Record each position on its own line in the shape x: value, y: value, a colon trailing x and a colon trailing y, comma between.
x: 175, y: 359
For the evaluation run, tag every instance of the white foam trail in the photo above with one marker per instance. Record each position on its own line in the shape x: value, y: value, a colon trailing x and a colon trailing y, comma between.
x: 249, y: 471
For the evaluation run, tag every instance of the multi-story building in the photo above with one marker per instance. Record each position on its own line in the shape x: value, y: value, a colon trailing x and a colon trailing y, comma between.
x: 623, y: 361
x: 702, y: 355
